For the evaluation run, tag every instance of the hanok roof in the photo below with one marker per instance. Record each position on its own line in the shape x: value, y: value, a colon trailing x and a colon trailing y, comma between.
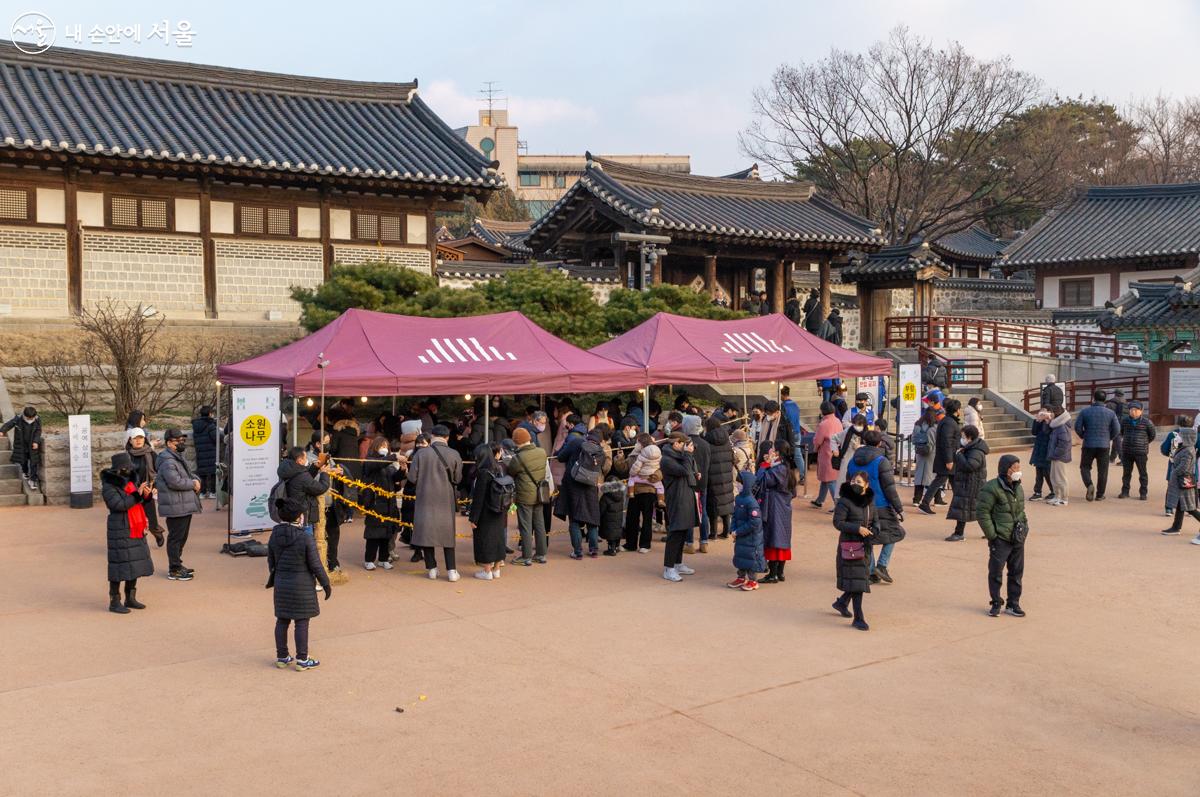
x: 154, y: 110
x: 904, y: 261
x: 973, y: 243
x: 508, y: 235
x: 1157, y: 305
x: 1119, y: 223
x: 749, y: 173
x: 491, y: 269
x: 711, y: 208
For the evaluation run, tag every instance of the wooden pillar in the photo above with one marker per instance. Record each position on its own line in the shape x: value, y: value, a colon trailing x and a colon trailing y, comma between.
x: 327, y: 247
x: 622, y: 267
x: 74, y: 243
x: 208, y: 250
x: 826, y: 293
x: 656, y: 270
x: 777, y: 286
x: 710, y: 275
x: 865, y: 327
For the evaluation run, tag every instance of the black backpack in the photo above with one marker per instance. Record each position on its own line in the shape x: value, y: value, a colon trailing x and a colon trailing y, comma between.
x: 501, y: 493
x: 589, y: 465
x: 278, y: 493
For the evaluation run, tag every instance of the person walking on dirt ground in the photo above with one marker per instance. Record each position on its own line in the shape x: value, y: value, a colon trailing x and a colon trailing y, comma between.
x: 1001, y: 512
x: 1098, y: 427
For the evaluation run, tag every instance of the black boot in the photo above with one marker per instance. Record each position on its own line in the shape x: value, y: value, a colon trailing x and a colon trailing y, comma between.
x: 114, y: 598
x: 131, y: 600
x: 918, y: 494
x: 772, y: 576
x: 779, y: 570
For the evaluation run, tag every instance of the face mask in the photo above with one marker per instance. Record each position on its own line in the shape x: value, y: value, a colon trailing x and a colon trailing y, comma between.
x: 541, y: 427
x: 668, y: 426
x: 964, y: 442
x: 1014, y: 477
x: 858, y: 488
x: 29, y: 420
x: 383, y: 452
x: 180, y: 447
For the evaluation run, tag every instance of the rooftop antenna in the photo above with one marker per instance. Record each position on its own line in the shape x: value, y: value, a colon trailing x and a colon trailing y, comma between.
x: 491, y: 95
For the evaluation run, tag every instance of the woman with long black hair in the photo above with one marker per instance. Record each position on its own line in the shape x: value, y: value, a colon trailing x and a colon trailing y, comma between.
x: 775, y: 487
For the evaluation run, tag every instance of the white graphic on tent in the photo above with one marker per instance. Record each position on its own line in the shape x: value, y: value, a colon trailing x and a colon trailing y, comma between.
x: 457, y: 350
x: 751, y: 343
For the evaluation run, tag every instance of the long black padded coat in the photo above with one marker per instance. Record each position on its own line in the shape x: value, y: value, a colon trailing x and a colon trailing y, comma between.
x: 945, y: 444
x: 128, y: 558
x: 295, y: 571
x: 720, y: 495
x: 679, y: 486
x: 204, y: 439
x: 853, y: 512
x: 970, y: 472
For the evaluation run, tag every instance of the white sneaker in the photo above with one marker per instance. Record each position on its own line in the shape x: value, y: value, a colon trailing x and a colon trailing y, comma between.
x: 484, y: 575
x: 1196, y: 540
x: 432, y: 573
x: 670, y: 575
x: 684, y: 570
x: 451, y: 575
x: 369, y: 566
x: 643, y: 550
x: 387, y: 565
x: 495, y: 572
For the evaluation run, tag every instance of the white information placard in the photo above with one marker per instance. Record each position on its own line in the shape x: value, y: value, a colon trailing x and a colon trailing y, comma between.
x: 79, y: 431
x: 255, y: 455
x: 910, y: 397
x: 1184, y: 389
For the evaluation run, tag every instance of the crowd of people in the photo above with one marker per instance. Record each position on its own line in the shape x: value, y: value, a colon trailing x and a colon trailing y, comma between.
x: 619, y: 480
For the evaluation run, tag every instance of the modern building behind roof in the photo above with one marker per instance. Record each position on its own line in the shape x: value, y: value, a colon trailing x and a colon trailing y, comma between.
x: 208, y: 191
x: 1088, y: 250
x: 541, y: 180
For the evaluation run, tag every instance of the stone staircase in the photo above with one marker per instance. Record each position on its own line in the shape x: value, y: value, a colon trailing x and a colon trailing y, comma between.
x: 12, y: 486
x: 1002, y: 431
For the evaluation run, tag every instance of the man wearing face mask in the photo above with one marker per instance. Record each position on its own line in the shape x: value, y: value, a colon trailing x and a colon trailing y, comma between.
x: 178, y: 499
x: 970, y: 472
x: 945, y: 445
x: 774, y: 428
x: 1001, y: 511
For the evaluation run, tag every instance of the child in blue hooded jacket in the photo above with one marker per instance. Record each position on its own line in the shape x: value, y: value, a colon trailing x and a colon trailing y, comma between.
x: 747, y: 530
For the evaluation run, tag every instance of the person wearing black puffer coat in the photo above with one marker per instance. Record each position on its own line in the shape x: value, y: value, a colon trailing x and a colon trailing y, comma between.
x: 945, y: 444
x: 852, y: 517
x: 128, y: 554
x: 204, y: 438
x: 1137, y: 432
x: 889, y: 509
x: 970, y: 472
x: 720, y: 496
x: 296, y: 570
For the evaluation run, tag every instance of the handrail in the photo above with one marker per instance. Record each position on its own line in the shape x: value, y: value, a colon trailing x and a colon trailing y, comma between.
x: 1079, y: 392
x: 943, y: 332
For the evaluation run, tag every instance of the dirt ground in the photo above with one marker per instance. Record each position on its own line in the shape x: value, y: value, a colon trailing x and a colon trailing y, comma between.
x: 599, y: 677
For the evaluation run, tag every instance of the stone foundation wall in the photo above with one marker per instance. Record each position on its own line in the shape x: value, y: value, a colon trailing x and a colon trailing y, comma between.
x: 56, y: 463
x: 407, y: 257
x: 255, y: 278
x: 33, y: 271
x: 962, y: 296
x: 165, y: 271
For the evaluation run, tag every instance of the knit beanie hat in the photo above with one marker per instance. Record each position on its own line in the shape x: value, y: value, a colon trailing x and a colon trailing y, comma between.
x: 410, y: 427
x: 520, y: 436
x: 691, y: 424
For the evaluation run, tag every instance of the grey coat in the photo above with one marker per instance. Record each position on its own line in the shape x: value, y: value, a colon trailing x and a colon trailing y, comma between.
x: 173, y: 479
x: 435, y: 510
x: 1183, y: 466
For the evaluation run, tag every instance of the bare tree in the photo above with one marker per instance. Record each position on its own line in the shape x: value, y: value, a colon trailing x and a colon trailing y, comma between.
x: 905, y: 134
x: 122, y: 346
x: 66, y: 384
x: 197, y: 377
x: 1168, y: 145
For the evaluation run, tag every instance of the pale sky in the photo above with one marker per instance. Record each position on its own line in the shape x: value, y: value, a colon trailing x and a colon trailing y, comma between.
x: 648, y: 77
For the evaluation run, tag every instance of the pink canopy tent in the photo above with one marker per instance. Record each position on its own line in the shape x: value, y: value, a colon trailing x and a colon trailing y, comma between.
x: 675, y: 350
x: 381, y: 354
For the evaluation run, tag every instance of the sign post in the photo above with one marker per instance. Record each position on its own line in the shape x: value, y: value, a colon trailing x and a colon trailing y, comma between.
x: 255, y: 441
x: 910, y: 397
x: 79, y: 428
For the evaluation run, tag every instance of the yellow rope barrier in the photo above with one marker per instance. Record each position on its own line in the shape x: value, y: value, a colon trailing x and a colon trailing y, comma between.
x: 380, y: 491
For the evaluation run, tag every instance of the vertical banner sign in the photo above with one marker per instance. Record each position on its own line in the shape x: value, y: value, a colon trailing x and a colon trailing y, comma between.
x: 79, y: 429
x: 255, y: 440
x: 910, y: 397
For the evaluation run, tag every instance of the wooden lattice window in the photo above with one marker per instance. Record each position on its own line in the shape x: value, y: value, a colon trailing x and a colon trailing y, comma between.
x: 378, y: 227
x: 1076, y: 293
x: 16, y: 204
x: 266, y: 220
x: 139, y: 213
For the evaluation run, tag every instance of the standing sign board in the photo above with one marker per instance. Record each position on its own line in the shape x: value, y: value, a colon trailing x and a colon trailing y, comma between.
x: 255, y: 455
x: 910, y: 397
x: 79, y: 431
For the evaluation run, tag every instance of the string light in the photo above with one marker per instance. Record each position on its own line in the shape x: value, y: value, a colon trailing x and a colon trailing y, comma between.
x: 363, y: 399
x: 467, y: 397
x: 308, y: 402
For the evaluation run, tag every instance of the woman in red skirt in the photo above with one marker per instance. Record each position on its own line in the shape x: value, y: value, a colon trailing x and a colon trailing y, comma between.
x: 775, y: 488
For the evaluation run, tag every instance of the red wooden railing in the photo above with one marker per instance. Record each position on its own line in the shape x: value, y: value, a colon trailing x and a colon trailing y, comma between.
x: 961, y: 372
x: 1079, y: 392
x: 942, y: 332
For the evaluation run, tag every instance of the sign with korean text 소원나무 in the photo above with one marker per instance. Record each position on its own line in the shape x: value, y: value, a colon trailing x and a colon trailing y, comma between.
x: 255, y: 455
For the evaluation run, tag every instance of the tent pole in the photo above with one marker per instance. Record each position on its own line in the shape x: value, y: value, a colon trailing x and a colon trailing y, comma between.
x: 393, y: 405
x: 295, y: 421
x: 646, y: 410
x: 487, y: 418
x: 217, y: 410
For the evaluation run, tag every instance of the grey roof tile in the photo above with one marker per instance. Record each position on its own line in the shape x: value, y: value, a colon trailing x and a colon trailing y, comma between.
x: 149, y: 109
x: 1156, y: 305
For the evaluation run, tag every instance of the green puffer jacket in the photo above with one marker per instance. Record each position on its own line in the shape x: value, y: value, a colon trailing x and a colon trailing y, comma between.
x: 527, y: 468
x: 998, y: 507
